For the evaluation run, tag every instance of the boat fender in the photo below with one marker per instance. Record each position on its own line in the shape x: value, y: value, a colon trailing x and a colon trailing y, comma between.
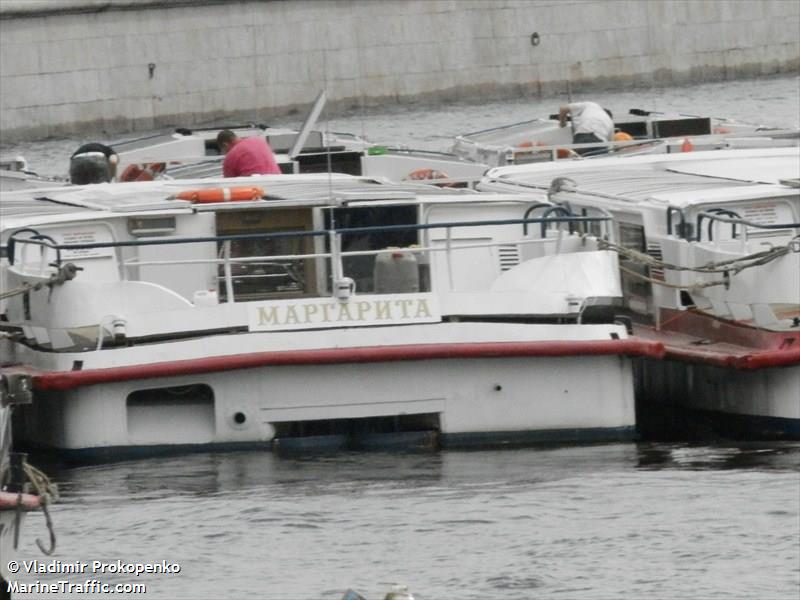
x: 145, y: 172
x: 566, y: 153
x: 426, y: 173
x: 227, y: 194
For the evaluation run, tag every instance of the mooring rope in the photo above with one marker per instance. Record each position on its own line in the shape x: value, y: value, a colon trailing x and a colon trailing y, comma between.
x: 728, y: 268
x: 47, y: 492
x: 64, y: 274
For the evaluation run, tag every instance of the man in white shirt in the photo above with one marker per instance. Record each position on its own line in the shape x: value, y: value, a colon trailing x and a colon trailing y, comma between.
x: 590, y: 123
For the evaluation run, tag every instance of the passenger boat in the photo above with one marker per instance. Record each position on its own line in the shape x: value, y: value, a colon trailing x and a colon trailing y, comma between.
x: 293, y: 311
x: 709, y: 246
x: 193, y: 153
x: 639, y: 132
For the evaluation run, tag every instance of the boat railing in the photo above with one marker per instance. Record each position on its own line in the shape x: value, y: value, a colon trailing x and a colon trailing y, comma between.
x: 723, y: 215
x: 556, y: 150
x: 334, y: 252
x: 528, y: 152
x: 682, y: 228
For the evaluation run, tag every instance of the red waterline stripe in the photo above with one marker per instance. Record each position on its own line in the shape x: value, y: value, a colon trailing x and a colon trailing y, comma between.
x: 66, y: 380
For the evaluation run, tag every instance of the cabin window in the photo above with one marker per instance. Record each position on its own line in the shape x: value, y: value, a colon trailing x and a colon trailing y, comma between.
x: 147, y: 226
x: 401, y: 270
x: 212, y: 148
x: 636, y: 129
x: 632, y: 236
x: 262, y: 275
x: 636, y: 290
x: 337, y: 161
x: 685, y: 126
x: 265, y: 267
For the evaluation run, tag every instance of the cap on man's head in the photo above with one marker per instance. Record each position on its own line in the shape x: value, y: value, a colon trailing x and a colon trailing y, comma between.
x: 89, y: 167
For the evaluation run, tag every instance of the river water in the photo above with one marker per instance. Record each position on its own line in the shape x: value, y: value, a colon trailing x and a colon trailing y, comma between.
x: 658, y: 521
x: 769, y: 101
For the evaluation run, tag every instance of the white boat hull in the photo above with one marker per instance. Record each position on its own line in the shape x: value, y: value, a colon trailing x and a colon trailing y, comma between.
x: 458, y: 380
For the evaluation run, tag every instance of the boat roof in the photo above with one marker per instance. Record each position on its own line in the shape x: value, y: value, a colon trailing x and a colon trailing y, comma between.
x: 71, y: 203
x: 678, y: 179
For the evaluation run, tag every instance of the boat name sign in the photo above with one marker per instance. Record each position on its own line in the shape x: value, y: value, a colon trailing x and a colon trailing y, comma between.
x: 357, y: 311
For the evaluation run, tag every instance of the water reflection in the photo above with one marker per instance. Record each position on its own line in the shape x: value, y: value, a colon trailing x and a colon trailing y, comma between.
x: 773, y: 456
x: 572, y: 521
x: 266, y: 473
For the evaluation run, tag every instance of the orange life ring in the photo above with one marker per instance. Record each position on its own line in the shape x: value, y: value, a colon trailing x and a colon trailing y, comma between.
x: 228, y: 194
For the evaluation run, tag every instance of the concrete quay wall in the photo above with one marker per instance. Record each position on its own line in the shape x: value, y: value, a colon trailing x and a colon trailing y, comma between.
x: 82, y: 67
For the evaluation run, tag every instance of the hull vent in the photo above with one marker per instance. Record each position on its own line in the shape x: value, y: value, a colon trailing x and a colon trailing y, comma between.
x: 508, y: 255
x: 654, y: 250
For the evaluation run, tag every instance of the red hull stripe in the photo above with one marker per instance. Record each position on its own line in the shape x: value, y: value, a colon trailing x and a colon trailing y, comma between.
x: 701, y: 325
x: 10, y: 500
x: 749, y: 362
x: 66, y: 380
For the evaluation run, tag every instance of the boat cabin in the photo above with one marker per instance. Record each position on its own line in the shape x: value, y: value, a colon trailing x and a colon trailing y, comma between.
x: 690, y: 210
x: 166, y: 263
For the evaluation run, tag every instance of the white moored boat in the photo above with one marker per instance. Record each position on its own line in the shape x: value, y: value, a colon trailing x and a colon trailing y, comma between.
x: 709, y: 247
x: 639, y: 132
x: 317, y: 309
x: 192, y: 154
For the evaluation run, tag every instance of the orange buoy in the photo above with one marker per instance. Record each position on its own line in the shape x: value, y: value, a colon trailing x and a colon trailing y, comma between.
x: 231, y: 194
x: 687, y: 145
x: 621, y: 136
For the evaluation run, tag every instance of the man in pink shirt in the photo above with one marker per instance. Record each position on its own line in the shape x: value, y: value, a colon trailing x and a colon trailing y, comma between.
x: 248, y: 156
